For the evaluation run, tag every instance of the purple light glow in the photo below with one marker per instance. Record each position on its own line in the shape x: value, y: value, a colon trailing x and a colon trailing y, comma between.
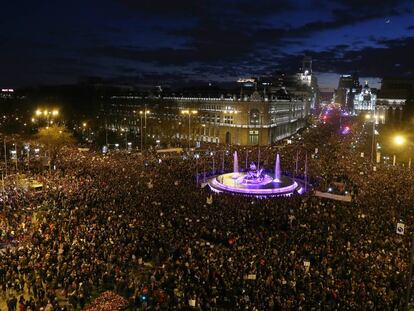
x: 226, y: 183
x: 345, y: 130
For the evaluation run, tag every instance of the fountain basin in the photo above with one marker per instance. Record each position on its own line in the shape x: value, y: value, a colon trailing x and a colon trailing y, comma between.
x: 263, y: 186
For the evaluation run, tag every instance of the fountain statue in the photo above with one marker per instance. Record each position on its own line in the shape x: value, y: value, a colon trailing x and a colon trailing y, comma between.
x: 253, y: 175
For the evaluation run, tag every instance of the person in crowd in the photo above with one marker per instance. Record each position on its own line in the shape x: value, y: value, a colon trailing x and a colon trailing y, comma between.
x: 141, y: 227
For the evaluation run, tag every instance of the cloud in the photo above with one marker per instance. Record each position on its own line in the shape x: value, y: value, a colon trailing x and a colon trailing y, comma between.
x: 163, y: 7
x: 205, y: 38
x: 393, y: 57
x: 191, y: 8
x: 236, y: 30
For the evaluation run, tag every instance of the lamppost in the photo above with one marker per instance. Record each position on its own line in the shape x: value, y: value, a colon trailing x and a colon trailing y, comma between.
x: 84, y: 125
x: 375, y: 118
x: 143, y: 114
x: 125, y: 130
x: 145, y: 124
x: 17, y: 156
x: 47, y: 114
x: 400, y: 141
x: 5, y: 154
x: 189, y: 113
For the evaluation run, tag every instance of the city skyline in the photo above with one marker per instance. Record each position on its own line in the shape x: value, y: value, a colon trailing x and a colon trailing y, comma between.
x: 164, y: 42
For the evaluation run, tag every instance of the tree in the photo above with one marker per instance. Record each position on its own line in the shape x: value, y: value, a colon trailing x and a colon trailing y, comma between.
x: 54, y: 138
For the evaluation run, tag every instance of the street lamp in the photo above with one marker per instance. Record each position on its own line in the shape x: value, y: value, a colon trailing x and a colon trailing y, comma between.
x: 126, y: 136
x: 189, y: 113
x: 399, y: 140
x: 47, y: 114
x: 143, y: 114
x: 84, y: 125
x: 374, y: 121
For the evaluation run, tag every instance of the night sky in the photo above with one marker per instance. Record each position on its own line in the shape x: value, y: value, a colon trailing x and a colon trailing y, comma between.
x: 166, y: 41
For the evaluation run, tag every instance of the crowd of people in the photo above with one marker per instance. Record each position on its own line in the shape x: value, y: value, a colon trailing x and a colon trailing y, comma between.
x: 141, y: 226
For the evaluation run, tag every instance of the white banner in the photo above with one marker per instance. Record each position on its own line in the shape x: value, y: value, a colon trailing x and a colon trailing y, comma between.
x: 337, y: 197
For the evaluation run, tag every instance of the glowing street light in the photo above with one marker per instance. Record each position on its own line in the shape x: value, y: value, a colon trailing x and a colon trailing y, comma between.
x: 47, y: 114
x: 399, y: 140
x: 189, y: 113
x: 141, y: 115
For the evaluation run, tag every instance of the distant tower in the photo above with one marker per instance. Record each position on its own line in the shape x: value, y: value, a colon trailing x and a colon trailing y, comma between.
x: 307, y: 65
x: 306, y: 73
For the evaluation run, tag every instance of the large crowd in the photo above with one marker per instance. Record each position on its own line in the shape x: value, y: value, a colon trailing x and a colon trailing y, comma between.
x: 142, y: 227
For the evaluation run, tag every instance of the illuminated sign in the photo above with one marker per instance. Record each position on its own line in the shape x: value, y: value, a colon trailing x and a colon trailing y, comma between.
x: 244, y: 80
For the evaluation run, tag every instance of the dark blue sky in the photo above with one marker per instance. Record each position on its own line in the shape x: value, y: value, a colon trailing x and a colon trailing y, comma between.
x: 156, y: 41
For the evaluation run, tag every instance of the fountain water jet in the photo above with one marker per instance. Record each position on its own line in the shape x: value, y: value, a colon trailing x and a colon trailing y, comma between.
x: 278, y: 174
x: 235, y: 165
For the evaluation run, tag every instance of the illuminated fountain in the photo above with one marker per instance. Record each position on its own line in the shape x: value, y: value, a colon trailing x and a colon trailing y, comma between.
x: 255, y: 182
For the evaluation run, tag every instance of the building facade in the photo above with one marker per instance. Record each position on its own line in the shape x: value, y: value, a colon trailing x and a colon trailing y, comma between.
x: 251, y: 120
x: 396, y: 99
x: 365, y: 99
x: 348, y: 86
x: 258, y: 111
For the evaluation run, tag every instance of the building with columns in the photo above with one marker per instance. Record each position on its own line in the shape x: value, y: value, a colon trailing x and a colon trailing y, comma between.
x: 396, y: 99
x: 258, y: 111
x: 250, y: 120
x: 365, y: 99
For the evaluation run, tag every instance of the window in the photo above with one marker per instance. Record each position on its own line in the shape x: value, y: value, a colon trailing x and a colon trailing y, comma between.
x: 228, y: 119
x: 254, y: 137
x: 254, y: 117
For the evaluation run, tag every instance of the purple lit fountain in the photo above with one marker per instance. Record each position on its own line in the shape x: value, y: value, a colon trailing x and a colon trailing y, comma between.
x: 254, y: 182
